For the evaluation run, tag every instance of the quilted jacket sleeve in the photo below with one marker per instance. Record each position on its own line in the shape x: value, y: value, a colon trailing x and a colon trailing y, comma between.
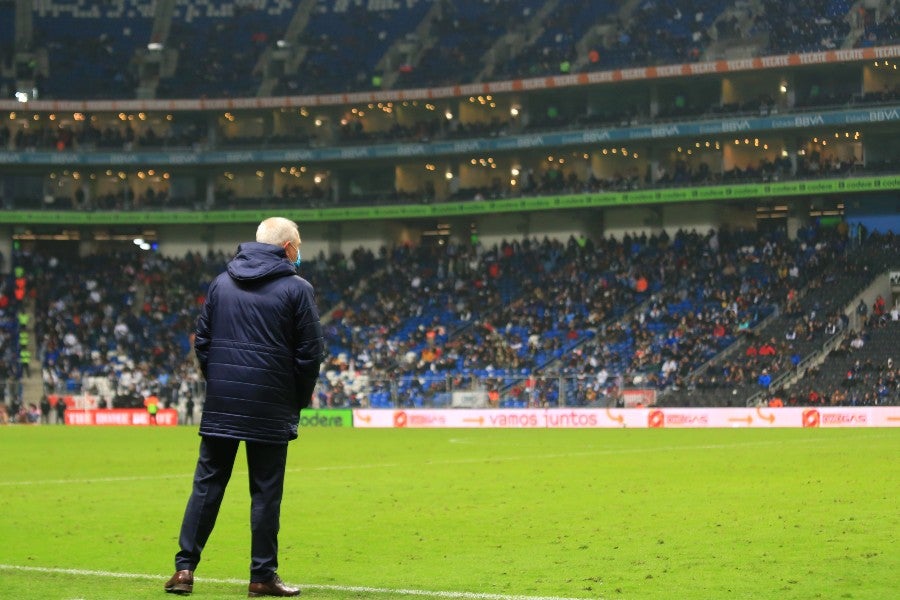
x: 203, y: 332
x: 310, y: 347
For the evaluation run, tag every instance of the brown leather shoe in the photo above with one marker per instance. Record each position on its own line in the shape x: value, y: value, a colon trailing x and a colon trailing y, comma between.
x: 182, y: 582
x: 275, y: 587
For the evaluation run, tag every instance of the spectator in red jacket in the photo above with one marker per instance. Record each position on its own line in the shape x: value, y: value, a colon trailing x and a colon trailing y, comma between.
x: 766, y: 349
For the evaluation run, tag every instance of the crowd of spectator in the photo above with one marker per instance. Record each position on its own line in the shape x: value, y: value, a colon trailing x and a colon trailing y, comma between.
x: 809, y: 317
x: 549, y: 333
x: 661, y: 32
x: 657, y: 32
x: 735, y: 280
x: 850, y: 376
x: 118, y: 324
x: 803, y: 26
x: 532, y: 322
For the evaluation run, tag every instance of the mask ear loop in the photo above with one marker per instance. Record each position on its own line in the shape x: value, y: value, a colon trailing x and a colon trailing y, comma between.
x: 296, y: 262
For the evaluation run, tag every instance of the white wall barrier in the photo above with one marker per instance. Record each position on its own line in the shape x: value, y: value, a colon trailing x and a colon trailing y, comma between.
x: 592, y: 418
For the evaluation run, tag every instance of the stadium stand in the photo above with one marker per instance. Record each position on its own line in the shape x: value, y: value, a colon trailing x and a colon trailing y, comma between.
x: 880, y: 26
x: 106, y: 36
x: 808, y: 319
x: 663, y: 32
x: 542, y: 323
x: 10, y: 369
x: 352, y: 46
x: 554, y: 50
x: 7, y: 46
x: 804, y: 26
x: 854, y: 374
x: 463, y: 33
x: 343, y: 43
x: 219, y: 45
x: 724, y: 317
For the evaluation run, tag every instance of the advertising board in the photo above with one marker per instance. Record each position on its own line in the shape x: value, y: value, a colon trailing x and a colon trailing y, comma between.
x: 326, y: 417
x: 121, y: 416
x: 641, y: 418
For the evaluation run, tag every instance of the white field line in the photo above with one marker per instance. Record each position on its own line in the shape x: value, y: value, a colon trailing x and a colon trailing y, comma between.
x: 310, y: 586
x: 452, y: 461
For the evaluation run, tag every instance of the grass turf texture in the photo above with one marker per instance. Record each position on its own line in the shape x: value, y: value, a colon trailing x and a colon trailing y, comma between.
x: 632, y: 514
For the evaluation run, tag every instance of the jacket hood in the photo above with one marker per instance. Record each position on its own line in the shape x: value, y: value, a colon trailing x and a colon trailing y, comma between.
x: 259, y: 261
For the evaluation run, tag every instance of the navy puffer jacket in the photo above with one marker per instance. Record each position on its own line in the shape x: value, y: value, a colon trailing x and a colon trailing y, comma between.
x: 259, y: 343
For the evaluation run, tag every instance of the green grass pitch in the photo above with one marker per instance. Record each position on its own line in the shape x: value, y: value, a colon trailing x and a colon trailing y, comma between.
x: 93, y: 513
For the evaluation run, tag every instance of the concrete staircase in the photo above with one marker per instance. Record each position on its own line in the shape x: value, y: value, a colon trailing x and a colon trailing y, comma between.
x: 514, y: 41
x: 285, y: 58
x: 159, y: 61
x: 32, y: 382
x: 409, y: 49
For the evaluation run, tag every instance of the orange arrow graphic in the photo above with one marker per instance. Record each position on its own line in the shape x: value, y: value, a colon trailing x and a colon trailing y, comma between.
x: 617, y: 418
x: 365, y: 418
x: 748, y: 419
x: 769, y: 418
x: 479, y: 420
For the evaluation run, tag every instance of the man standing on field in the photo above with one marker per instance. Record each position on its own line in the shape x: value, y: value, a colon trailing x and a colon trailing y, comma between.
x: 259, y: 343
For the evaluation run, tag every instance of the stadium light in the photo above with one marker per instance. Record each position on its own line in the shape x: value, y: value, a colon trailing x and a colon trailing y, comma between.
x: 154, y: 47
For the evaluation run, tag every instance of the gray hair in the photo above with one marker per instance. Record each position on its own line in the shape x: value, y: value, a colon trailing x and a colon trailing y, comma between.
x: 277, y: 231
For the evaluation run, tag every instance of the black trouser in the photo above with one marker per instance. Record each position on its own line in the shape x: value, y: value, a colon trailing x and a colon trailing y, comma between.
x: 265, y: 463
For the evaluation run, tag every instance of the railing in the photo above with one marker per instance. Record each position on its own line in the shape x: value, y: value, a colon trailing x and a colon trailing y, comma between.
x: 10, y: 391
x: 794, y: 374
x: 482, y: 390
x: 360, y: 390
x: 816, y: 357
x: 100, y: 392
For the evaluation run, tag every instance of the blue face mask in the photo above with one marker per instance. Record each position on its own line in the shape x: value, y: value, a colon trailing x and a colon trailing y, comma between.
x: 296, y: 262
